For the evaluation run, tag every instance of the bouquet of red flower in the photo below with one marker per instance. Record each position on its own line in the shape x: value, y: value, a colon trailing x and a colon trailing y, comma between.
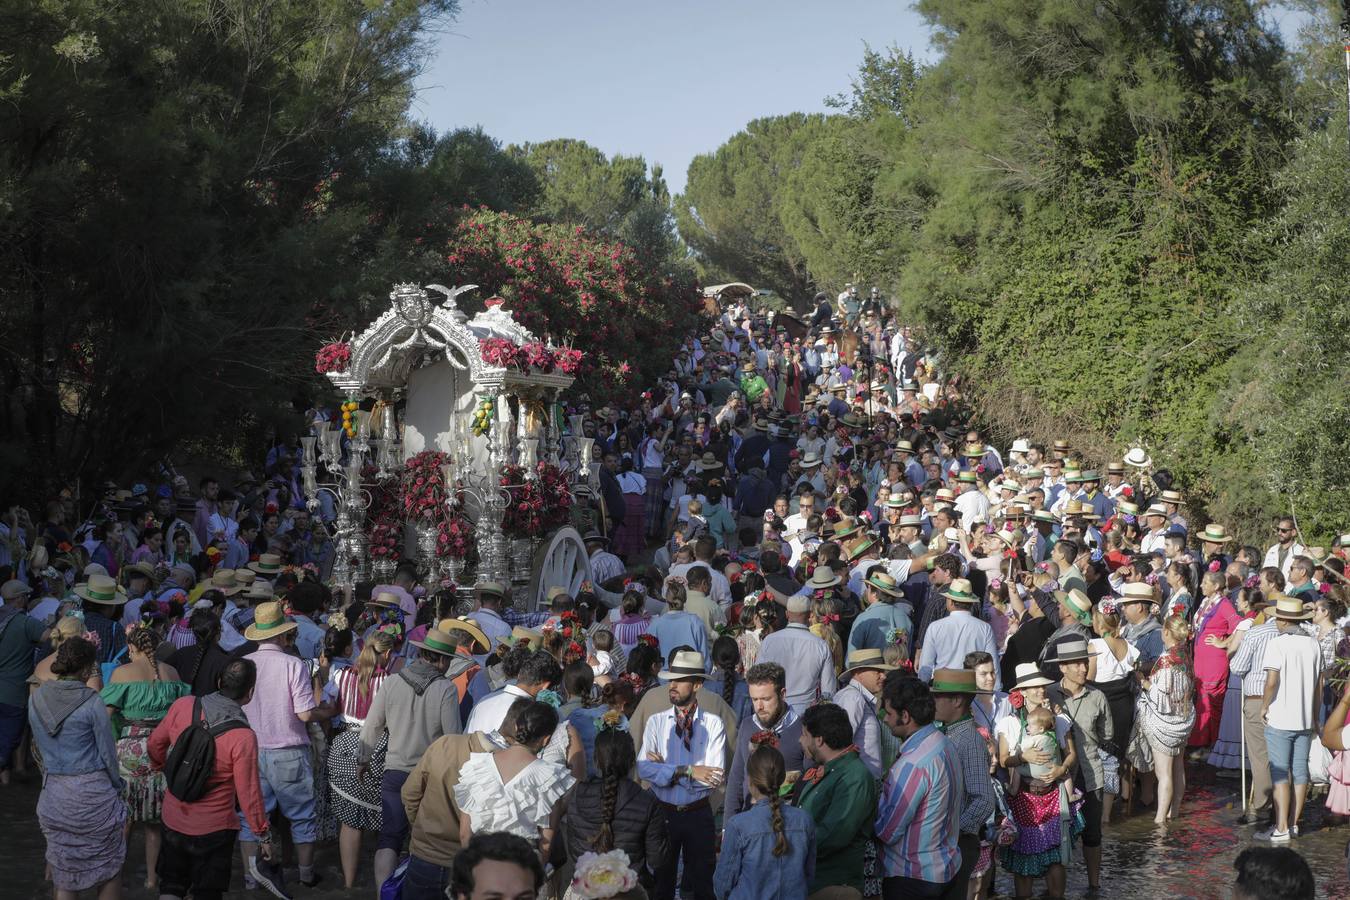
x: 569, y: 361
x: 501, y: 352
x: 455, y: 536
x: 537, y: 505
x: 539, y: 357
x: 424, y: 489
x: 334, y: 357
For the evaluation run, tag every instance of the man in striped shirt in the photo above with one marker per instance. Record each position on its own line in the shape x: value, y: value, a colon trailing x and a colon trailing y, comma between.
x: 919, y: 816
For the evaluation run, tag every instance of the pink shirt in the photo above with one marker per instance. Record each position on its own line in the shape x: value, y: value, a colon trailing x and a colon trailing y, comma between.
x: 283, y: 690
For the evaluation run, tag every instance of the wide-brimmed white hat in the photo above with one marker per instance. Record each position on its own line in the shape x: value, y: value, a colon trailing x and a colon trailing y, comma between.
x: 1028, y: 675
x: 1138, y: 458
x: 686, y: 665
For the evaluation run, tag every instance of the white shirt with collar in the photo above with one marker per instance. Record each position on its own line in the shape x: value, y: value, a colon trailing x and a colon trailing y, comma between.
x: 488, y: 713
x: 707, y: 747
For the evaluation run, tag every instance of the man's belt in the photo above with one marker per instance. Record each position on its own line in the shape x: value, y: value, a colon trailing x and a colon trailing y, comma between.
x: 684, y: 807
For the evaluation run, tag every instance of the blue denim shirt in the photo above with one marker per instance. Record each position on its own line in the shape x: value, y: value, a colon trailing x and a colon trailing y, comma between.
x: 84, y: 742
x: 747, y: 868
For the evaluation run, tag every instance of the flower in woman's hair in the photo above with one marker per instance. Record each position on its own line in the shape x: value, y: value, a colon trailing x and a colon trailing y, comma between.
x: 1324, y: 587
x: 829, y: 618
x: 93, y: 638
x: 649, y: 640
x: 906, y: 666
x: 601, y: 875
x: 1252, y: 583
x: 1016, y: 700
x: 612, y: 720
x: 1109, y: 606
x: 896, y: 636
x: 1214, y: 565
x: 633, y: 680
x: 995, y: 583
x: 338, y: 621
x: 549, y: 696
x: 761, y: 738
x: 1151, y: 578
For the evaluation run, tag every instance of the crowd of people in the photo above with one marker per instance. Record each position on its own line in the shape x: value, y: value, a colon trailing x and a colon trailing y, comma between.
x: 836, y: 645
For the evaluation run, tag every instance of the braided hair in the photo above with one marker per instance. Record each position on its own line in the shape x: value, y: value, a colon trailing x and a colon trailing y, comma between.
x: 146, y: 640
x: 205, y: 625
x: 727, y: 657
x: 615, y: 758
x: 765, y: 772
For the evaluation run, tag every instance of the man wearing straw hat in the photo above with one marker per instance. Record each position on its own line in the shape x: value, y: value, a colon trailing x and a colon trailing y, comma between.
x: 279, y: 711
x: 1249, y: 665
x: 950, y: 638
x: 887, y: 612
x: 1289, y: 708
x: 866, y: 671
x: 416, y: 707
x: 953, y: 692
x: 682, y: 754
x: 1093, y: 729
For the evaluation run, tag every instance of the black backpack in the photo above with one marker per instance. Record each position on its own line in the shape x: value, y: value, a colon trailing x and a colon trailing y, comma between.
x: 192, y: 758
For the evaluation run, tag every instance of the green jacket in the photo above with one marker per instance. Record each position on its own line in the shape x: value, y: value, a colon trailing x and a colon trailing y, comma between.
x: 843, y: 804
x: 753, y: 385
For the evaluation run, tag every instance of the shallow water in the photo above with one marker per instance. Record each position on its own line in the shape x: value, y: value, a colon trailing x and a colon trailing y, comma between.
x: 1190, y: 859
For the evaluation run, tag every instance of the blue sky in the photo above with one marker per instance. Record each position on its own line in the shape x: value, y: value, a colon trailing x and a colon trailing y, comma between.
x: 666, y: 81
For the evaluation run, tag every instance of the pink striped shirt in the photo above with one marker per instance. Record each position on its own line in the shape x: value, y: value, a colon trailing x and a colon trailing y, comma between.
x: 919, y: 816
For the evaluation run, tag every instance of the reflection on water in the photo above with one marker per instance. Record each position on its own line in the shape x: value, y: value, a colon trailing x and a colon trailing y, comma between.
x: 1190, y: 859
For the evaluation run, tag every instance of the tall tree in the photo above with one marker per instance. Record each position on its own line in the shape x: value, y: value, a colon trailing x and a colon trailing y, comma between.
x: 170, y: 179
x: 729, y: 213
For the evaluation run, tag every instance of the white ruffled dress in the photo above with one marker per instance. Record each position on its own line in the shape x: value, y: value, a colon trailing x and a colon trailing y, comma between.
x: 520, y: 806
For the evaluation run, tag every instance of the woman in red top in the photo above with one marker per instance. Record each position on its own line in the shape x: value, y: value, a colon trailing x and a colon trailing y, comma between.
x: 1214, y: 621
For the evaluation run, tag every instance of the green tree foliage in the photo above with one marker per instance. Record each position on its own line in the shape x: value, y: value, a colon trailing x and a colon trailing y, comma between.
x: 730, y: 212
x: 613, y: 196
x: 171, y: 231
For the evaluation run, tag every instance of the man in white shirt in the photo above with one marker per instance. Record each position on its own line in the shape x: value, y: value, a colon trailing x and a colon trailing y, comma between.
x: 538, y: 673
x: 1289, y: 707
x: 682, y: 754
x: 972, y: 504
x: 1155, y: 519
x: 806, y: 505
x: 949, y: 639
x: 1282, y: 553
x: 488, y: 615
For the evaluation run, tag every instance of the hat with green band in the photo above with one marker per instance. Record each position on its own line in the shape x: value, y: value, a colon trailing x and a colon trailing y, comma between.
x: 101, y: 589
x: 437, y: 641
x: 954, y: 681
x: 269, y: 621
x: 961, y: 592
x: 267, y: 564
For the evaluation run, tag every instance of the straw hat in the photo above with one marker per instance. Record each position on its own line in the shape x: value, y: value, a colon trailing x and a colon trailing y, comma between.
x: 973, y: 451
x: 1044, y: 515
x: 244, y: 577
x: 145, y: 570
x: 1138, y: 458
x: 961, y: 591
x: 385, y: 598
x: 899, y: 501
x: 1033, y: 472
x: 1072, y: 650
x: 1076, y: 600
x: 1021, y: 445
x: 1170, y: 497
x: 866, y: 658
x: 860, y: 546
x: 845, y: 527
x: 1156, y: 509
x: 810, y: 460
x: 1125, y: 507
x: 269, y: 621
x: 223, y: 580
x: 686, y: 666
x: 103, y: 590
x: 470, y: 627
x: 258, y: 590
x: 496, y: 589
x: 437, y: 641
x: 879, y: 579
x: 1115, y: 468
x: 267, y: 564
x: 954, y: 681
x: 966, y: 476
x: 822, y: 579
x: 533, y: 639
x: 1136, y: 592
x: 945, y: 495
x: 1214, y: 534
x: 1061, y: 446
x: 1028, y: 675
x: 911, y: 520
x: 554, y: 593
x: 904, y: 447
x: 1290, y: 608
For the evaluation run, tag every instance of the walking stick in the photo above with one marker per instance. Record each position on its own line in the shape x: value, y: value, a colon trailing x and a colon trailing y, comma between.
x: 1242, y: 762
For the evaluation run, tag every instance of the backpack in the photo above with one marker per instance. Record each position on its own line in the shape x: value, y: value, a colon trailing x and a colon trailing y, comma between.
x: 192, y: 758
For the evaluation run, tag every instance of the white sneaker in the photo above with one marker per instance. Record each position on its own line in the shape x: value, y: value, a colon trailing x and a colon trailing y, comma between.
x: 1293, y: 830
x: 1272, y: 836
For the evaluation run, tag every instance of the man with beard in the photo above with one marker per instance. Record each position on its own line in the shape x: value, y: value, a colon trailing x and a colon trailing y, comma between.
x: 767, y: 684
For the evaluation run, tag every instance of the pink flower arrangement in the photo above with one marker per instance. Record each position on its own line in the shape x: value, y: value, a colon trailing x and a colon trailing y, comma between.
x: 333, y: 357
x: 535, y: 356
x: 500, y: 352
x: 424, y: 486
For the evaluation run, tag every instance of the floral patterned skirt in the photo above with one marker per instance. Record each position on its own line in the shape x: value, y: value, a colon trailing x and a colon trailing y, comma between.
x: 144, y: 791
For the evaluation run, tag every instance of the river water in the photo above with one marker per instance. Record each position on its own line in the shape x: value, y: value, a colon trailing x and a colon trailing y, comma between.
x: 1191, y: 859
